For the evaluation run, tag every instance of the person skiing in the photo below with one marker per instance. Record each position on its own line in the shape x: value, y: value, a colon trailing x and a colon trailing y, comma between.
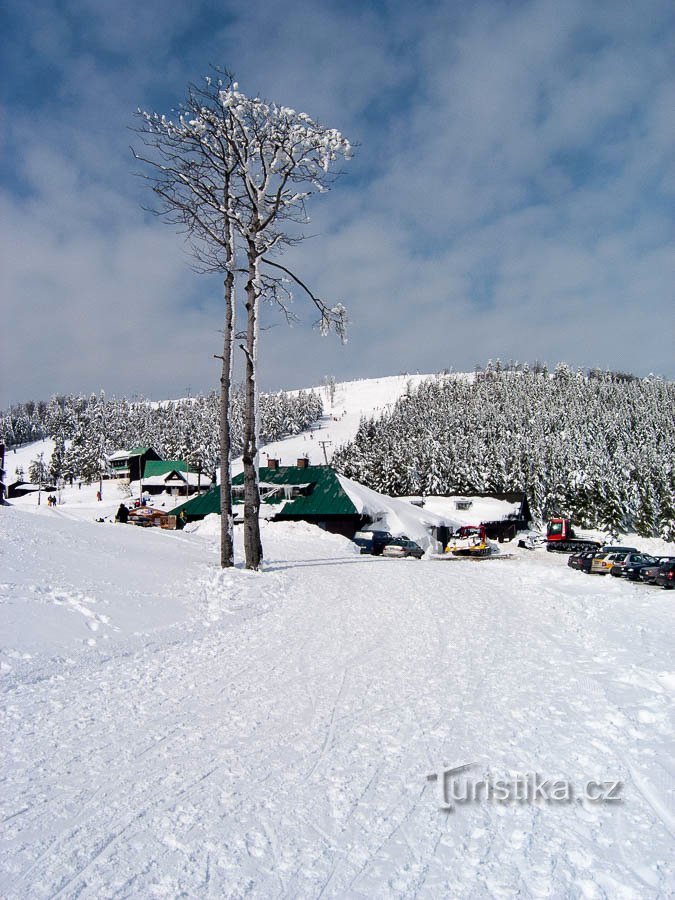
x: 122, y: 514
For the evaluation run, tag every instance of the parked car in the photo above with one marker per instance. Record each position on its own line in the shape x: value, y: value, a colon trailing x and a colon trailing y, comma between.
x: 622, y: 560
x: 372, y: 541
x: 666, y: 576
x: 649, y: 573
x: 633, y: 570
x: 574, y: 561
x: 587, y: 559
x: 612, y: 549
x: 399, y: 548
x: 600, y: 564
x: 364, y: 541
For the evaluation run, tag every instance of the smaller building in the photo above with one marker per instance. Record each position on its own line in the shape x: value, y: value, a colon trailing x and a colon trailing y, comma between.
x: 173, y: 477
x: 22, y: 488
x: 176, y: 483
x: 130, y: 464
x: 155, y: 467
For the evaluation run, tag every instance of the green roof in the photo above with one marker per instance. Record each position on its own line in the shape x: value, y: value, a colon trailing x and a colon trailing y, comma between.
x: 155, y: 467
x: 138, y: 451
x: 200, y: 506
x: 326, y: 496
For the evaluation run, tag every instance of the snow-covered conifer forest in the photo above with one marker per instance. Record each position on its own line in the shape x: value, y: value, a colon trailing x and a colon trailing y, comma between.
x: 599, y: 446
x: 85, y: 429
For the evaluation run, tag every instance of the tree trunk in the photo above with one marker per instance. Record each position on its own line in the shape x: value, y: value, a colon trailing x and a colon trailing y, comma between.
x: 226, y: 517
x: 252, y: 541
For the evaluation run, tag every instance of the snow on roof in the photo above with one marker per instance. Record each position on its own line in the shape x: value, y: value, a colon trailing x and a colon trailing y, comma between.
x: 154, y: 481
x: 482, y: 509
x: 192, y: 478
x: 126, y: 454
x: 178, y: 480
x: 395, y: 514
x: 119, y: 454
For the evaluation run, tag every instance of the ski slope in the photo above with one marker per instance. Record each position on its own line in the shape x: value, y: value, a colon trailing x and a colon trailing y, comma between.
x: 170, y: 729
x: 343, y: 411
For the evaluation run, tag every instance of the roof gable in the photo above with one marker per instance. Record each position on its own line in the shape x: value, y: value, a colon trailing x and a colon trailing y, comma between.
x: 134, y: 451
x: 326, y: 496
x: 155, y: 467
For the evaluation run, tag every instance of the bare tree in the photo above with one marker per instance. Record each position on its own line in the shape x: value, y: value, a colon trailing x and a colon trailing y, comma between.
x: 283, y: 158
x: 192, y: 175
x: 236, y: 172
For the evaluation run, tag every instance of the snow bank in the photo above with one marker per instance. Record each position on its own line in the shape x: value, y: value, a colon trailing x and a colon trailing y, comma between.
x: 295, y: 540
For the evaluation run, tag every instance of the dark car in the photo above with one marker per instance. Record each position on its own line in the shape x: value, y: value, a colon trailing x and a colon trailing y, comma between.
x: 576, y: 559
x: 372, y: 541
x: 633, y: 570
x: 666, y: 576
x: 364, y: 541
x: 649, y: 573
x: 398, y: 548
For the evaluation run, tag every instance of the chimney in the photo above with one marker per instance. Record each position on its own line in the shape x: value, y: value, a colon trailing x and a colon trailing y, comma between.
x: 303, y: 462
x: 272, y: 463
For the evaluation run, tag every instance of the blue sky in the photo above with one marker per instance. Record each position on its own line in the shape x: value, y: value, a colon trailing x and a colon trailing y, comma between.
x: 512, y: 194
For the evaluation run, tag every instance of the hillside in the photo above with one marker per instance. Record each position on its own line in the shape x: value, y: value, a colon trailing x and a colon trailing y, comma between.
x: 597, y: 448
x: 343, y: 409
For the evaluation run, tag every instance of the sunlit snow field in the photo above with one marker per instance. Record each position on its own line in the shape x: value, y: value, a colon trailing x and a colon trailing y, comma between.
x: 170, y: 729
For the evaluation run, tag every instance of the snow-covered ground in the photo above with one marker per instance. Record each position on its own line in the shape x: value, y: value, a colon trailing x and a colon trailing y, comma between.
x: 170, y: 729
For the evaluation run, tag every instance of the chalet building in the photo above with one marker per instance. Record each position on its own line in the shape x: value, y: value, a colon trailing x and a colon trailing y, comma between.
x: 300, y: 493
x: 130, y: 464
x: 173, y: 477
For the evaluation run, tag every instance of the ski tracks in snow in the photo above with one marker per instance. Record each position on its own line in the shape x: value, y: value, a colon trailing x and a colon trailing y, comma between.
x: 277, y: 744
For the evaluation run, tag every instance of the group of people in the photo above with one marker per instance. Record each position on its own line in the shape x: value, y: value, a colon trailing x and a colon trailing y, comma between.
x: 51, y: 500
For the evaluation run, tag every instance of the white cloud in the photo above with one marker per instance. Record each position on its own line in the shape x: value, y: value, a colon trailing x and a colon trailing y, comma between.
x: 512, y: 195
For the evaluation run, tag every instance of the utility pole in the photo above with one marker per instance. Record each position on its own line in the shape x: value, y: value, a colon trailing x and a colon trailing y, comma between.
x: 325, y: 444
